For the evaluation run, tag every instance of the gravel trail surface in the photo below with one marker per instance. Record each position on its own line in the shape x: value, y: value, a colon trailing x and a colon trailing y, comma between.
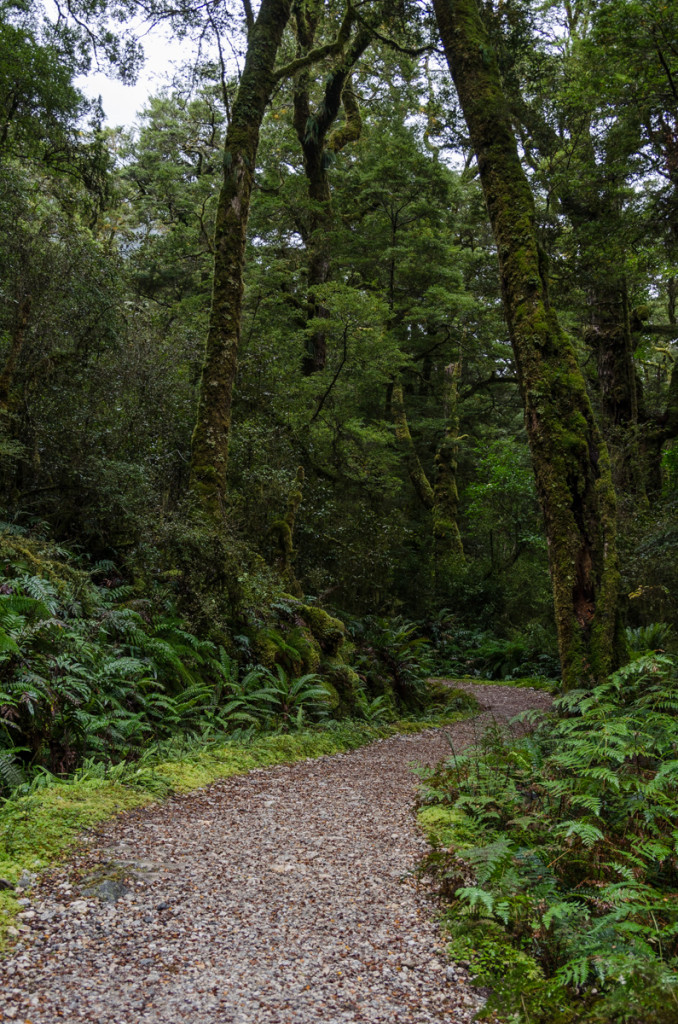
x: 277, y: 897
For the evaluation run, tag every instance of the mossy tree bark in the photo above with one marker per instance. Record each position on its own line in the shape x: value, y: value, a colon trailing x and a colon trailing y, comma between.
x: 282, y: 533
x: 449, y: 550
x: 609, y: 336
x: 319, y: 146
x: 209, y: 454
x: 593, y: 201
x: 415, y: 470
x: 442, y: 499
x: 665, y: 430
x: 570, y: 458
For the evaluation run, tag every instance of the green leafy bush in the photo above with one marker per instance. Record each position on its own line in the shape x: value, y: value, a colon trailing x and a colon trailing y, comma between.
x: 565, y: 846
x: 482, y: 654
x: 392, y: 659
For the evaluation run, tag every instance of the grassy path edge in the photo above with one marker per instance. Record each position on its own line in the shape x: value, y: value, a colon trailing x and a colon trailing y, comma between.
x: 37, y: 830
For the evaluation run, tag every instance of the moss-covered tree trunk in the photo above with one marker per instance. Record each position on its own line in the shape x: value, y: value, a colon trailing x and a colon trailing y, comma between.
x: 442, y: 499
x: 282, y: 534
x: 318, y: 146
x: 209, y: 454
x: 415, y: 470
x: 608, y: 331
x: 612, y: 342
x: 570, y: 459
x: 448, y: 547
x: 663, y: 431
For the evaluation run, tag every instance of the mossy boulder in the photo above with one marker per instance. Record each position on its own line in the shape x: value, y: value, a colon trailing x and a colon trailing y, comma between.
x: 264, y: 647
x: 342, y: 680
x: 308, y: 647
x: 35, y: 557
x: 333, y: 698
x: 328, y: 631
x: 295, y: 648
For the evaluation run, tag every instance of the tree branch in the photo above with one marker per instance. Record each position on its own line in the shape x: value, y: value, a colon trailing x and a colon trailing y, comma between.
x: 334, y: 380
x: 249, y: 14
x: 494, y: 378
x: 320, y: 52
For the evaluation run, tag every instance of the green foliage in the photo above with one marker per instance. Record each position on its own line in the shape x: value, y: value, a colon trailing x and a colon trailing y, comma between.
x: 88, y: 672
x: 561, y: 849
x: 475, y: 652
x: 392, y: 659
x: 656, y: 636
x: 271, y: 697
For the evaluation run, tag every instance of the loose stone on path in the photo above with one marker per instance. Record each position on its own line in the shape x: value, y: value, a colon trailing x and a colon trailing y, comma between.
x: 279, y: 897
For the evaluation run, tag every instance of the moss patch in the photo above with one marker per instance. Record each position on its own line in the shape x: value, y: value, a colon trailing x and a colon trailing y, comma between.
x: 438, y: 823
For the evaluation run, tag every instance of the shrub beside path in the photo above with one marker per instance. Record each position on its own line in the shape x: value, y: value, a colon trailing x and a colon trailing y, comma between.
x: 278, y: 897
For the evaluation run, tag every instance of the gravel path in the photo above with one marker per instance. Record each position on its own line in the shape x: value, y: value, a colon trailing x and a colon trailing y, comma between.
x: 278, y: 897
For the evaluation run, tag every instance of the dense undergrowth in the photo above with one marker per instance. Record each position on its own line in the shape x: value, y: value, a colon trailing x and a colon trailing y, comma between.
x: 556, y: 854
x: 91, y: 671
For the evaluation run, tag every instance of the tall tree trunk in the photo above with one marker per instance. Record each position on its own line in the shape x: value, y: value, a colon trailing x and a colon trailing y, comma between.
x: 209, y: 454
x: 665, y: 430
x: 609, y: 335
x: 313, y: 131
x: 415, y: 470
x: 571, y: 461
x: 442, y: 499
x: 592, y: 198
x: 449, y: 550
x: 282, y: 535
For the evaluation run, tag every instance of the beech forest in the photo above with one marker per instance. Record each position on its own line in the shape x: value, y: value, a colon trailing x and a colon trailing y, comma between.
x: 343, y: 378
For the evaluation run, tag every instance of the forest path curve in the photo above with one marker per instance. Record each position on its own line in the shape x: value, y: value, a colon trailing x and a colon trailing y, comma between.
x: 277, y: 897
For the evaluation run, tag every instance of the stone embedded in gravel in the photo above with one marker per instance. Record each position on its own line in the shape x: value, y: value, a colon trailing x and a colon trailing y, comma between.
x: 109, y: 891
x: 340, y: 934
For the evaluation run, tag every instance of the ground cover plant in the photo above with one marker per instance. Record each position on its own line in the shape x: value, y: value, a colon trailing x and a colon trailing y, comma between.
x: 556, y: 853
x: 90, y: 671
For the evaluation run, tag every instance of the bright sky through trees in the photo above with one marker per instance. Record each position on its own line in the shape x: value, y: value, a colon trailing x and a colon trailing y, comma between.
x: 121, y: 103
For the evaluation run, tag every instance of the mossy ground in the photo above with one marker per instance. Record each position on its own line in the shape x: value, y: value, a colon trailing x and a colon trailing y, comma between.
x: 38, y: 829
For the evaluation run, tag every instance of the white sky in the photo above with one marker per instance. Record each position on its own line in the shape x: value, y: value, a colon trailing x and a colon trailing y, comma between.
x: 121, y: 103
